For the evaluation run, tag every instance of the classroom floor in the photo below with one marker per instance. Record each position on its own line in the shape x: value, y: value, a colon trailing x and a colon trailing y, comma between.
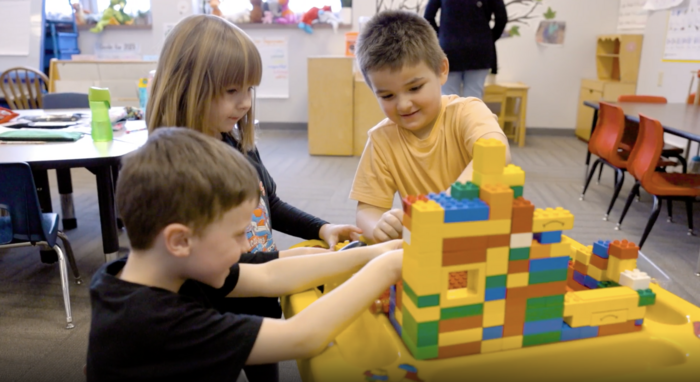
x: 34, y: 346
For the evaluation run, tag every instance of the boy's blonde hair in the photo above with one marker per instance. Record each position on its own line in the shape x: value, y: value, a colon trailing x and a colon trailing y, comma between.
x: 393, y: 39
x: 171, y: 179
x: 202, y: 57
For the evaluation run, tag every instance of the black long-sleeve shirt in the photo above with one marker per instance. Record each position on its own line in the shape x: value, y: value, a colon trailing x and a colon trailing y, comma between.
x: 464, y: 32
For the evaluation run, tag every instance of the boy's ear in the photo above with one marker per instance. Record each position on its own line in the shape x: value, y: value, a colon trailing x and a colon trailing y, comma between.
x: 178, y: 239
x: 444, y: 70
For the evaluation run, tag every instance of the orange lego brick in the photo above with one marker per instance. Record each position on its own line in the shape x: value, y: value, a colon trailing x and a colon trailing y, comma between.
x: 572, y: 285
x: 516, y: 294
x: 499, y: 197
x: 464, y: 243
x: 546, y: 289
x: 599, y: 262
x: 513, y: 329
x: 523, y: 212
x: 457, y: 280
x: 406, y: 221
x: 496, y: 241
x: 459, y: 350
x: 518, y: 266
x: 540, y: 251
x: 399, y: 293
x: 462, y: 323
x: 623, y: 327
x: 464, y: 257
x: 581, y: 267
x: 623, y: 250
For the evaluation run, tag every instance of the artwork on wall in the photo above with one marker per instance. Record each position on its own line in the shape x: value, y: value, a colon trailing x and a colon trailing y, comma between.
x: 550, y: 31
x: 417, y: 6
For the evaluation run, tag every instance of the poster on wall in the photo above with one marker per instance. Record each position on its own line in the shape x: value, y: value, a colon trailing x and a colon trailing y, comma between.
x: 275, y: 60
x: 683, y: 34
x: 632, y: 16
x: 658, y: 5
x: 15, y: 30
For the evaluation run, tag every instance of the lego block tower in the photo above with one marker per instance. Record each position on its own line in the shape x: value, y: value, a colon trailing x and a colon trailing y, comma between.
x: 484, y: 271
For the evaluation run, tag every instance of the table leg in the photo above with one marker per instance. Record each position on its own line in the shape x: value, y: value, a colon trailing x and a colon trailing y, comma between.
x: 43, y: 190
x: 588, y: 153
x: 65, y: 190
x: 521, y: 122
x: 697, y: 267
x: 115, y: 177
x: 108, y: 216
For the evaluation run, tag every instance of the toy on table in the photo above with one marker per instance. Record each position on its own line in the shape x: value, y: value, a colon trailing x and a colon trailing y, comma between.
x: 285, y: 15
x: 484, y: 271
x: 256, y: 15
x: 310, y: 16
x: 80, y: 14
x: 113, y: 15
x: 267, y: 17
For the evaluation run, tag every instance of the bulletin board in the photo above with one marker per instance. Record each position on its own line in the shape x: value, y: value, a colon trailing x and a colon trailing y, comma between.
x: 683, y: 34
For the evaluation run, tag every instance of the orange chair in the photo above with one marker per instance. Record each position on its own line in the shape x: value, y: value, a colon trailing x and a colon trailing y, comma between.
x: 691, y: 99
x: 642, y: 164
x: 632, y: 130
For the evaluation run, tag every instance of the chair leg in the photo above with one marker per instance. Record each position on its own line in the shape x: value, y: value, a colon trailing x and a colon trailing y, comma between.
x: 689, y: 211
x: 590, y: 176
x: 71, y: 258
x: 619, y: 181
x: 600, y: 173
x: 634, y: 191
x: 64, y: 285
x: 684, y: 163
x: 669, y: 207
x: 652, y: 219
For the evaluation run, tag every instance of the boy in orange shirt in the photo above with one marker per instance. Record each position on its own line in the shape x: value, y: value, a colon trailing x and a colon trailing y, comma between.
x: 427, y: 141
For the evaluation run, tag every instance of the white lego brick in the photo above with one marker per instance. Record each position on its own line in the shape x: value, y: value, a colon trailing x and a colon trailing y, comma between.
x: 521, y: 240
x: 406, y: 235
x: 635, y: 279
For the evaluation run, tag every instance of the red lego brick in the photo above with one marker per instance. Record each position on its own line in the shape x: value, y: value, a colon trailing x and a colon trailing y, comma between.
x: 623, y: 250
x: 464, y: 243
x: 496, y: 241
x: 518, y: 266
x: 407, y: 203
x: 464, y: 257
x: 459, y: 350
x: 462, y: 323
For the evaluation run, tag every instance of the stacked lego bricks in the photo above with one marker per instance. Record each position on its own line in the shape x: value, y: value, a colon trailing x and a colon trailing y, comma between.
x: 485, y: 271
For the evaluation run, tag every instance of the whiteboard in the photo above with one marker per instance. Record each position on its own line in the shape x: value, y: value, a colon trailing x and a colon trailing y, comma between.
x: 275, y: 59
x: 21, y: 29
x: 683, y: 34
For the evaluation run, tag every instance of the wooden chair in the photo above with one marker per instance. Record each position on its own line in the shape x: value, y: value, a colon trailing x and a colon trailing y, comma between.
x: 497, y: 95
x: 23, y: 87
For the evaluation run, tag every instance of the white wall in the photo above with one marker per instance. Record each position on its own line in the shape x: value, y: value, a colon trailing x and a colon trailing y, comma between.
x: 34, y: 57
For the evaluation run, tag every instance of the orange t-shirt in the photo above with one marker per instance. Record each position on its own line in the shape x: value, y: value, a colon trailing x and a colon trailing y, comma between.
x: 396, y: 160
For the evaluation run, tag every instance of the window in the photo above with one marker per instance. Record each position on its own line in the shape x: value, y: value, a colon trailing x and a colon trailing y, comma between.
x: 132, y: 6
x: 232, y: 7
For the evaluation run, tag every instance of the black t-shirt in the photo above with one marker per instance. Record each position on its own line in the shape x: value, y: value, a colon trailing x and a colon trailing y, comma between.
x: 141, y: 333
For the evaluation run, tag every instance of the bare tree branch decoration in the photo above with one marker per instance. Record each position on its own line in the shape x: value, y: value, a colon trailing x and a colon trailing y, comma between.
x: 417, y: 6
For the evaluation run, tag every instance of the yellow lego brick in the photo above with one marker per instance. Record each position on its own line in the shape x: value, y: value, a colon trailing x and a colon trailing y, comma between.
x: 489, y: 156
x: 561, y: 249
x: 575, y: 245
x: 421, y: 283
x: 473, y: 294
x: 427, y: 213
x: 583, y: 254
x: 518, y: 279
x: 596, y: 272
x: 416, y: 242
x: 513, y: 342
x: 490, y: 346
x: 609, y: 317
x: 477, y: 228
x: 582, y: 308
x: 637, y: 313
x: 420, y: 314
x: 398, y: 315
x: 513, y: 176
x: 499, y: 197
x: 460, y: 337
x: 432, y: 258
x: 617, y: 266
x: 494, y: 313
x: 497, y: 261
x: 552, y: 219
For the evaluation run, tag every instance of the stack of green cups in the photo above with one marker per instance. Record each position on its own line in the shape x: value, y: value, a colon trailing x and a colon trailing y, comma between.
x: 100, y: 102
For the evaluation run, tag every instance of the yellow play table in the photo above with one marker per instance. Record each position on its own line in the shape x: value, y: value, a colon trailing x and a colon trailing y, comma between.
x: 666, y: 349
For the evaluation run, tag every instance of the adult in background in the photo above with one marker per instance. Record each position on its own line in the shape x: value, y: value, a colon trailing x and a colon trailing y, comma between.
x: 468, y: 40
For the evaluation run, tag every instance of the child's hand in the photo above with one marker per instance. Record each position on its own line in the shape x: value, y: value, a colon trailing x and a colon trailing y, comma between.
x: 333, y: 233
x: 392, y: 262
x: 302, y: 251
x: 389, y: 226
x: 391, y: 245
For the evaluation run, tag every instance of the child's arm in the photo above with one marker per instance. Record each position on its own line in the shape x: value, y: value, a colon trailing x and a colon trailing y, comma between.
x: 379, y: 224
x: 309, y: 332
x: 466, y: 175
x: 295, y: 274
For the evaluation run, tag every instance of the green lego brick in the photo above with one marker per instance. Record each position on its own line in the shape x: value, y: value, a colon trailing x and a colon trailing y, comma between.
x: 461, y: 311
x: 542, y: 338
x: 607, y: 284
x: 420, y: 352
x: 537, y: 302
x: 548, y: 276
x: 541, y: 314
x: 517, y: 191
x: 461, y: 191
x: 519, y: 254
x: 421, y: 301
x: 555, y: 301
x: 421, y: 333
x: 499, y: 281
x: 646, y: 297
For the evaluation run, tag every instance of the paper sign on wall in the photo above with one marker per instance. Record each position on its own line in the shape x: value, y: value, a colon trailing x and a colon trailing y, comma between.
x: 632, y: 15
x: 15, y: 28
x: 683, y: 34
x: 657, y: 5
x: 275, y: 60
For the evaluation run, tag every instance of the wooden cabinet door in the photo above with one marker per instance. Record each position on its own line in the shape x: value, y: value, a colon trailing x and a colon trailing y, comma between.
x: 585, y: 113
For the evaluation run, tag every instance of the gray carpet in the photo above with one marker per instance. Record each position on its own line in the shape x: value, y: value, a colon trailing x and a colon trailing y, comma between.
x: 34, y: 346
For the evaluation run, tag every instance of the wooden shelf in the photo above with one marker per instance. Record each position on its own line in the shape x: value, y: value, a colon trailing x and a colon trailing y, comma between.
x: 608, y: 55
x: 117, y: 27
x: 289, y: 26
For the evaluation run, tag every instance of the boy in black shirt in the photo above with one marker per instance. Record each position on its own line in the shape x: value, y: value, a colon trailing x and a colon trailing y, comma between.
x: 186, y: 200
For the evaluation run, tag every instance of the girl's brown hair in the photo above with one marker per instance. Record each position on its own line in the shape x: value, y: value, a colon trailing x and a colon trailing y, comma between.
x: 202, y: 57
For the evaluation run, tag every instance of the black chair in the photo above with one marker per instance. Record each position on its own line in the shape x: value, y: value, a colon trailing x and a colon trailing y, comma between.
x: 28, y: 226
x: 66, y: 101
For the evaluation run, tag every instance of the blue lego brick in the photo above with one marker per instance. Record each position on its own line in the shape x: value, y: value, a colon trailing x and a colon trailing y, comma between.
x: 544, y: 326
x: 551, y: 237
x: 600, y: 248
x: 590, y: 282
x: 464, y: 210
x: 588, y: 331
x: 492, y: 294
x: 568, y: 333
x: 492, y: 333
x: 638, y: 322
x: 579, y: 278
x: 550, y: 264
